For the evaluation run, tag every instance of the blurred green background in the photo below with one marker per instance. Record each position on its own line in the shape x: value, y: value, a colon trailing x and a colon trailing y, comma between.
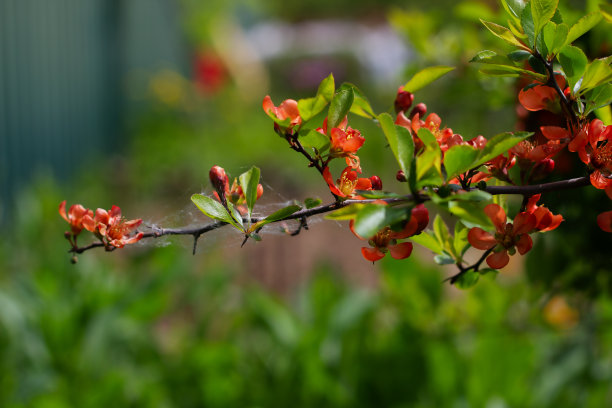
x: 131, y: 102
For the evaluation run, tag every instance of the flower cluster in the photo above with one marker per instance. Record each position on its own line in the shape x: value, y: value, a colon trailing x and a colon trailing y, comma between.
x: 225, y: 193
x: 109, y: 226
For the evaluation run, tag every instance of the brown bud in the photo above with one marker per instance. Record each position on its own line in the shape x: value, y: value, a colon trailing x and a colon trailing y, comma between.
x: 403, y: 100
x: 400, y: 176
x: 421, y: 109
x: 376, y: 183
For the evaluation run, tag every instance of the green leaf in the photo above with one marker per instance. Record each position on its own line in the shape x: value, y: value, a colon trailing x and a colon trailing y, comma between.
x: 499, y: 144
x: 442, y: 234
x: 528, y: 26
x: 503, y: 33
x: 312, y: 202
x: 326, y: 88
x: 542, y: 11
x: 310, y: 107
x: 605, y: 114
x: 400, y: 141
x: 373, y: 217
x: 598, y: 97
x: 339, y: 108
x: 459, y: 159
x: 276, y: 216
x: 377, y: 194
x: 460, y: 240
x: 346, y: 213
x: 471, y: 213
x: 428, y: 163
x: 467, y: 280
x: 444, y: 259
x: 249, y: 181
x: 574, y: 63
x: 514, y: 7
x: 315, y: 139
x: 427, y: 240
x: 519, y: 55
x: 491, y: 57
x: 597, y: 73
x: 554, y: 37
x: 472, y: 195
x: 488, y: 271
x: 236, y: 215
x: 213, y: 209
x: 360, y: 106
x: 606, y: 11
x: 426, y: 76
x: 582, y: 26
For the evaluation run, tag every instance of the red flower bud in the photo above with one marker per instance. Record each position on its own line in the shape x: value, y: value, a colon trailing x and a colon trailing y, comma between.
x: 219, y: 180
x: 403, y: 100
x: 542, y: 169
x: 421, y: 109
x: 376, y: 183
x: 400, y: 176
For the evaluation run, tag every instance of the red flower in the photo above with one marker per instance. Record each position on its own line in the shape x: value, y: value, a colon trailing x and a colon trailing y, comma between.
x: 507, y: 235
x: 75, y: 216
x: 540, y: 96
x: 348, y: 182
x: 287, y: 109
x: 235, y: 195
x: 604, y: 220
x: 545, y: 220
x: 111, y: 228
x: 594, y: 146
x: 344, y: 142
x: 385, y: 240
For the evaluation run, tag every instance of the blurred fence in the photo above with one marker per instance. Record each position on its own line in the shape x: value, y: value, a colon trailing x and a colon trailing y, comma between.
x: 63, y: 65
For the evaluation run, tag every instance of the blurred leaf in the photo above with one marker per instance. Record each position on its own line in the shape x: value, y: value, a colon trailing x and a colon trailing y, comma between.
x: 249, y: 181
x: 444, y: 259
x: 471, y: 213
x: 400, y: 141
x: 574, y: 62
x: 339, y: 108
x: 326, y: 88
x: 315, y: 139
x: 375, y: 194
x: 442, y: 234
x: 604, y: 114
x: 542, y: 11
x: 597, y: 72
x: 312, y: 202
x: 459, y: 159
x: 460, y: 241
x: 528, y: 26
x: 360, y: 105
x: 499, y: 144
x: 582, y: 26
x: 425, y: 77
x: 345, y: 213
x: 503, y: 33
x: 606, y: 11
x: 467, y: 279
x: 514, y: 8
x: 519, y: 55
x: 213, y: 209
x: 276, y: 216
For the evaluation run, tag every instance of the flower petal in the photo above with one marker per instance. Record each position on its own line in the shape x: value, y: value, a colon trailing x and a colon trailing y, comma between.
x: 497, y: 216
x: 481, y: 239
x: 372, y: 254
x: 604, y: 221
x: 524, y: 244
x: 498, y: 260
x: 62, y: 210
x: 330, y: 182
x: 598, y: 180
x: 401, y: 250
x: 554, y: 132
x: 523, y: 223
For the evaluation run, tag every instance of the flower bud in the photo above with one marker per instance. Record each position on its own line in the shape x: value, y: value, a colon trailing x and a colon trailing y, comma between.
x: 219, y: 180
x: 421, y: 109
x: 400, y: 176
x: 542, y: 169
x: 376, y: 183
x: 403, y: 100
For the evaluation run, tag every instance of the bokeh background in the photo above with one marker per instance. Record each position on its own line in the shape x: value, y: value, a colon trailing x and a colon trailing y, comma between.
x: 130, y: 102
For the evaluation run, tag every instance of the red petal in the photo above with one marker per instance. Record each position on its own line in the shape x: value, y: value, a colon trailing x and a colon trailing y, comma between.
x: 409, y: 229
x: 372, y: 254
x: 604, y: 220
x: 363, y: 184
x: 554, y: 132
x: 89, y: 223
x: 531, y: 204
x: 497, y: 216
x: 578, y: 142
x: 62, y: 210
x: 330, y: 182
x: 102, y: 216
x: 524, y: 244
x: 422, y: 216
x: 267, y: 104
x: 523, y: 223
x: 352, y: 228
x: 401, y: 251
x: 481, y: 239
x: 556, y: 221
x: 599, y: 181
x: 498, y: 260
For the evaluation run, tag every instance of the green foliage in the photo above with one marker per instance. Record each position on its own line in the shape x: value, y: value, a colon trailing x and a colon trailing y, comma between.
x: 310, y: 107
x: 275, y: 216
x: 249, y: 181
x: 425, y: 77
x: 215, y: 210
x: 373, y: 217
x: 339, y: 108
x: 400, y: 141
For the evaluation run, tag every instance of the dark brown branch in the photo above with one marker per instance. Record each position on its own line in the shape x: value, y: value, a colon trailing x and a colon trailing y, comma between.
x: 304, y: 214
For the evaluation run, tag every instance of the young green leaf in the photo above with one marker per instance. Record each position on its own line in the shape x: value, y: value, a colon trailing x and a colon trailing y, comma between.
x: 373, y: 217
x: 442, y: 234
x: 583, y: 25
x: 400, y: 141
x: 275, y: 216
x: 597, y: 72
x: 471, y: 213
x: 554, y: 37
x: 425, y: 77
x: 459, y: 159
x: 499, y: 144
x: 514, y: 8
x: 528, y: 26
x: 213, y: 209
x: 599, y: 97
x: 503, y: 33
x: 574, y: 62
x: 236, y: 215
x: 326, y: 88
x: 428, y: 240
x: 346, y: 213
x: 315, y: 139
x: 460, y: 240
x: 339, y: 107
x: 542, y: 11
x: 310, y: 107
x: 312, y: 202
x: 467, y: 280
x: 606, y: 11
x: 249, y: 181
x: 360, y: 106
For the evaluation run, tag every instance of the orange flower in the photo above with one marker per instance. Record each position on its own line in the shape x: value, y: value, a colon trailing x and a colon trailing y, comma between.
x: 545, y: 220
x: 112, y: 228
x: 348, y: 182
x: 75, y: 216
x: 508, y: 237
x: 288, y: 109
x: 594, y: 146
x: 536, y: 96
x: 344, y: 142
x: 385, y: 240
